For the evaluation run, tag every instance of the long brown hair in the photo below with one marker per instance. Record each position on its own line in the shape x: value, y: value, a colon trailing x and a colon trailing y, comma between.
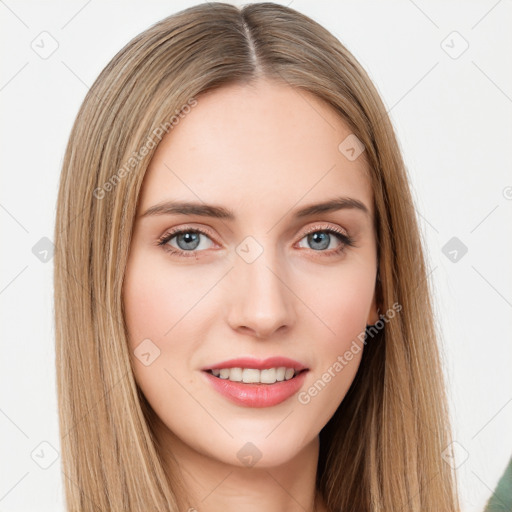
x: 383, y: 448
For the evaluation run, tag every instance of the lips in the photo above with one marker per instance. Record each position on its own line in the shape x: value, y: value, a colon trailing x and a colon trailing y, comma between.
x: 256, y: 395
x: 258, y: 364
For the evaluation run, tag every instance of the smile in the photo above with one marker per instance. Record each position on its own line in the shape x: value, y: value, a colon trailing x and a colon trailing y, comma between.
x: 255, y: 392
x: 255, y: 376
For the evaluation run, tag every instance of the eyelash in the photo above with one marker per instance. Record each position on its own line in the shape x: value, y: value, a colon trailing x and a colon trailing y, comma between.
x: 346, y: 241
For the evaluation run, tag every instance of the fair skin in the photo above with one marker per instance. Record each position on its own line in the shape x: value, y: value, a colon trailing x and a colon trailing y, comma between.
x: 262, y: 151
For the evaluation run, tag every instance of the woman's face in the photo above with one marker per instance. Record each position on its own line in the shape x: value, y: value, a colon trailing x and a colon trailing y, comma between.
x: 266, y: 282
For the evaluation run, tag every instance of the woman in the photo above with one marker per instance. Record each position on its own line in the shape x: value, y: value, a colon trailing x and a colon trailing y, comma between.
x: 242, y: 308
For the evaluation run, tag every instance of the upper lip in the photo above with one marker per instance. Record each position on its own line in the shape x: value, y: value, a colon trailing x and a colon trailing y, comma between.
x: 258, y: 364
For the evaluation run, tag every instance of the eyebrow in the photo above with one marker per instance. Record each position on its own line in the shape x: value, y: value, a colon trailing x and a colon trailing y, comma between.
x: 219, y: 212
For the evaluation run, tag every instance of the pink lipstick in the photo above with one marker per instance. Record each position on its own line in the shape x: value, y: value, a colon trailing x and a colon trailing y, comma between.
x: 257, y: 394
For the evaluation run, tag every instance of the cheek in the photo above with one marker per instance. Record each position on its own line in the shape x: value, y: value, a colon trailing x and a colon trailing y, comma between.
x: 154, y: 300
x: 343, y: 302
x: 165, y: 317
x: 343, y: 309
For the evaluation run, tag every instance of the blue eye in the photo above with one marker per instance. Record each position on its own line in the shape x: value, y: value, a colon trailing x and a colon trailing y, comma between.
x: 322, y: 238
x: 188, y: 241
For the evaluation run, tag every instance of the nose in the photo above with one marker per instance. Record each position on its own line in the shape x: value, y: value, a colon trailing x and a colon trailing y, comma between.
x: 261, y: 301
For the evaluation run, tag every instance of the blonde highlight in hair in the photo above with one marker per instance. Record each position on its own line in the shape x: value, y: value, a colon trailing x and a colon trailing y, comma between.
x: 382, y: 449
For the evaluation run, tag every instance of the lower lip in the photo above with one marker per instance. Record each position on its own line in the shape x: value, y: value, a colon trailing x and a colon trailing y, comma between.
x: 257, y: 395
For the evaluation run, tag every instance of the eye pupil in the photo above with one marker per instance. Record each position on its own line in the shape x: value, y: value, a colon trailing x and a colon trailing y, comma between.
x: 313, y: 238
x: 189, y: 238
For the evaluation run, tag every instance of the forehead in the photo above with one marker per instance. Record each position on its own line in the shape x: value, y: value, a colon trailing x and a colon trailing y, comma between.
x: 264, y: 146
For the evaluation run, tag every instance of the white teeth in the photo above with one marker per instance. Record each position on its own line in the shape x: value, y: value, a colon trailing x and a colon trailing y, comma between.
x: 252, y: 375
x: 249, y: 375
x: 235, y: 374
x: 268, y: 376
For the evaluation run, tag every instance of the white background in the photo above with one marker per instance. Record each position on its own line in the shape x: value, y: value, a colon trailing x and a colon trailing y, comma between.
x: 453, y: 119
